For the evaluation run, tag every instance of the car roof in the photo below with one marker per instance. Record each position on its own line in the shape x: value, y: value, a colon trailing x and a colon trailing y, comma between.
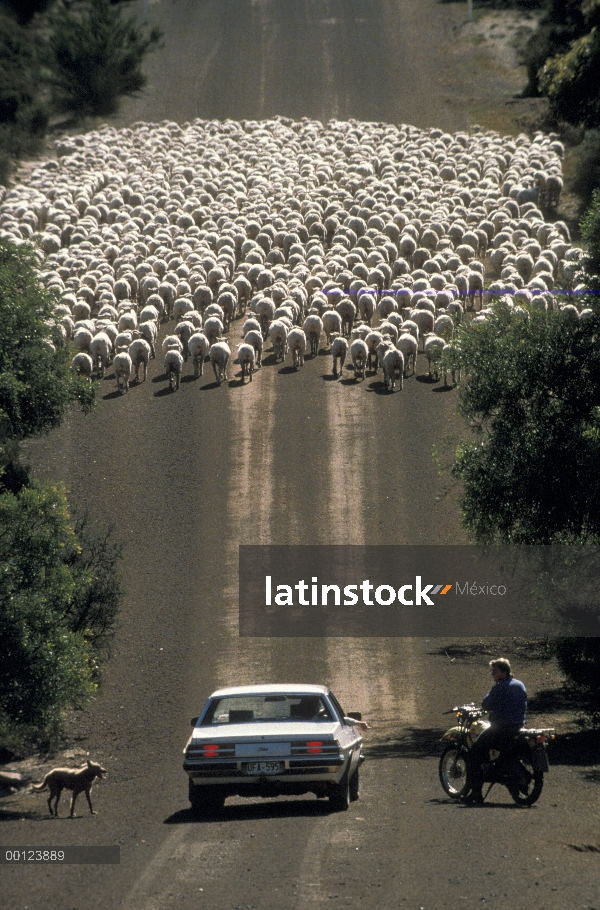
x: 272, y: 689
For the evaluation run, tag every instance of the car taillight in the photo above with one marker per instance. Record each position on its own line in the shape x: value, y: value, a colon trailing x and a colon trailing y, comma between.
x: 314, y: 747
x: 210, y: 751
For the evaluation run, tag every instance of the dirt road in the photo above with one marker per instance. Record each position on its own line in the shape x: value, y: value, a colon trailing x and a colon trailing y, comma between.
x: 291, y: 458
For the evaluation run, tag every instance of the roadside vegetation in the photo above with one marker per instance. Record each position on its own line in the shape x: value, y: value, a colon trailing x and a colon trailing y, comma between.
x: 59, y: 586
x: 64, y: 58
x: 529, y: 473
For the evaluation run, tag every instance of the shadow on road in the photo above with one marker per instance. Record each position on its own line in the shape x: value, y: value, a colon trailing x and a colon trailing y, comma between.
x: 254, y: 811
x: 414, y: 743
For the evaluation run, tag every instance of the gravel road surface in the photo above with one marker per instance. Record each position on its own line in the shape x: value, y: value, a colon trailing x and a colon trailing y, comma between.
x: 292, y: 458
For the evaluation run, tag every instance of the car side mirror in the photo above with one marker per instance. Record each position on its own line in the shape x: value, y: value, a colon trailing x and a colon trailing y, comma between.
x: 194, y: 721
x: 355, y: 715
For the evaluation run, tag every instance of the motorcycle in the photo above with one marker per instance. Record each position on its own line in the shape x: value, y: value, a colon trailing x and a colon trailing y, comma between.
x: 520, y: 767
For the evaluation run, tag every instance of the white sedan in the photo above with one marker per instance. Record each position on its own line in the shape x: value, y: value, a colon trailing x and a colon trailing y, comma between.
x: 273, y: 740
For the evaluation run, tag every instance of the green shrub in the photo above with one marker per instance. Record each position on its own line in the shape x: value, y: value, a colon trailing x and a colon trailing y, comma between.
x: 571, y: 81
x: 96, y: 56
x: 37, y: 385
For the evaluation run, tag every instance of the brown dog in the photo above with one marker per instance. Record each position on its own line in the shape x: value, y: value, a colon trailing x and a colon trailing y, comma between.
x: 79, y: 781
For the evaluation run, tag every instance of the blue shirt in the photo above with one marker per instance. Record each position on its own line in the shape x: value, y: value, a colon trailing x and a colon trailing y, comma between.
x: 507, y: 702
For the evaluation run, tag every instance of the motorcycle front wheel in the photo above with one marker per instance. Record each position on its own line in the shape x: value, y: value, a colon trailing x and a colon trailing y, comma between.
x: 453, y: 771
x: 528, y: 785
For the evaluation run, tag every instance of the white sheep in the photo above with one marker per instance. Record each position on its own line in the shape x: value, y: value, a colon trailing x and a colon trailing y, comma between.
x: 139, y: 351
x: 83, y: 364
x: 219, y: 355
x: 278, y: 333
x: 296, y: 341
x: 122, y: 366
x: 100, y: 350
x: 173, y: 367
x: 246, y: 359
x: 339, y: 352
x: 424, y: 321
x: 198, y: 346
x: 407, y: 344
x: 434, y: 345
x: 254, y: 337
x: 213, y: 329
x: 359, y: 354
x: 332, y: 323
x: 313, y: 326
x: 347, y: 312
x: 393, y: 362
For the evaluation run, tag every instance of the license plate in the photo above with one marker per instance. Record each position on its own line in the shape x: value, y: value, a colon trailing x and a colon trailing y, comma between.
x: 262, y: 767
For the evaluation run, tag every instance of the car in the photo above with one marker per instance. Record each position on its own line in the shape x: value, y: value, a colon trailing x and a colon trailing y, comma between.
x: 273, y: 740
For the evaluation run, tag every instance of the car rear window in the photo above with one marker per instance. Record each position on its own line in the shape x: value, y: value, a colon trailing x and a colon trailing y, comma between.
x: 244, y: 709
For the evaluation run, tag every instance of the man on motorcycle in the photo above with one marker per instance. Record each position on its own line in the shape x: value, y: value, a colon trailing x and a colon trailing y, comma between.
x: 506, y: 703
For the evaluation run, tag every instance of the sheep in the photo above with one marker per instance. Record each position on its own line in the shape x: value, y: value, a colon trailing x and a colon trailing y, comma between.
x: 278, y: 332
x: 434, y: 345
x: 148, y: 331
x: 246, y: 358
x: 173, y: 367
x: 250, y: 325
x: 198, y: 347
x: 219, y: 355
x: 213, y: 329
x: 184, y: 331
x: 339, y: 352
x: 139, y: 351
x: 100, y: 349
x: 366, y: 306
x: 296, y: 341
x: 332, y: 324
x: 408, y: 345
x: 122, y: 367
x: 83, y: 365
x: 254, y: 337
x: 82, y: 340
x: 313, y: 326
x: 347, y: 313
x: 172, y: 342
x: 393, y: 362
x: 425, y: 322
x: 373, y: 340
x: 359, y: 354
x: 444, y: 327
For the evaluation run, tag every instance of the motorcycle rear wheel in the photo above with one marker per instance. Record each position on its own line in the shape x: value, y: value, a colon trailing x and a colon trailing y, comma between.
x: 453, y: 772
x: 528, y: 792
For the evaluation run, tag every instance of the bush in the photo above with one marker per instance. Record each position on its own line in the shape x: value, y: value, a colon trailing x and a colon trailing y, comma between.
x: 571, y: 81
x: 590, y: 233
x: 59, y: 599
x: 96, y: 56
x: 532, y: 394
x: 579, y: 660
x: 37, y: 385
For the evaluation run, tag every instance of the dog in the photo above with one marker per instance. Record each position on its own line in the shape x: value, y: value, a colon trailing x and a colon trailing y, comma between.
x: 79, y: 781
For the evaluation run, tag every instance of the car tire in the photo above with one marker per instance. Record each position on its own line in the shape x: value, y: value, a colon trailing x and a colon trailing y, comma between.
x: 339, y: 795
x: 206, y: 801
x: 354, y: 787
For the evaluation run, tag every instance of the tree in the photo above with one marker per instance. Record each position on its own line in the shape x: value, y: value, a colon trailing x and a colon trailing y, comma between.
x: 37, y: 385
x: 571, y: 81
x: 532, y: 395
x: 96, y: 55
x: 45, y: 666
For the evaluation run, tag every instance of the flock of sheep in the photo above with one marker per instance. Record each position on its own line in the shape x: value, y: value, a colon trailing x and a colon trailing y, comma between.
x: 291, y: 230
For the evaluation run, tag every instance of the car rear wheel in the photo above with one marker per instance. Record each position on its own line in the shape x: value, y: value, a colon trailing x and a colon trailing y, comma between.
x: 206, y: 801
x: 339, y: 795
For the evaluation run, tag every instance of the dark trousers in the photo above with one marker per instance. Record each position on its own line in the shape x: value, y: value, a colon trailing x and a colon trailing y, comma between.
x: 495, y: 737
